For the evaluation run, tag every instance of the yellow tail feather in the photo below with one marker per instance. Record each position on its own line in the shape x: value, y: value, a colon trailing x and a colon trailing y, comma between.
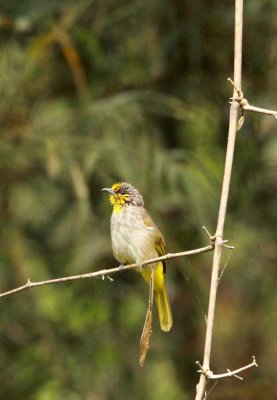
x: 164, y: 310
x: 161, y: 296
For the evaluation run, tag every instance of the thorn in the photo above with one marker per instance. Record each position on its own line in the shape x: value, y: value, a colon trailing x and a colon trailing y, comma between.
x: 200, y: 370
x: 198, y: 363
x: 212, y: 238
x: 254, y: 361
x: 239, y: 91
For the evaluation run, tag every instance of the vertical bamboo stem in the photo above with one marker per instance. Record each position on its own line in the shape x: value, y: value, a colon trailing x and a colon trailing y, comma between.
x: 224, y: 199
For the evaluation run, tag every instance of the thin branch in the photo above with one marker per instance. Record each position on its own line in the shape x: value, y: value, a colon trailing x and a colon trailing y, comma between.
x: 200, y: 392
x: 105, y: 272
x: 243, y: 102
x: 247, y: 107
x: 210, y: 375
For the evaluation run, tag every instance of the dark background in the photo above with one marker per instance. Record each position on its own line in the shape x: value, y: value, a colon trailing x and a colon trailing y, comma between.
x: 97, y: 91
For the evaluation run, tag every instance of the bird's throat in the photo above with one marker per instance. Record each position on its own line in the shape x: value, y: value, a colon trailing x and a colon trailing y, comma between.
x: 117, y: 203
x: 117, y: 208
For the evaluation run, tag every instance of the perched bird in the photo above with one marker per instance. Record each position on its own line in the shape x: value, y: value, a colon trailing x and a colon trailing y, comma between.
x: 135, y: 239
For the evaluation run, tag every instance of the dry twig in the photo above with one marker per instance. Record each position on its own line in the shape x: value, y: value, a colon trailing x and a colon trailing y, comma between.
x: 105, y: 272
x: 229, y: 374
x: 243, y: 102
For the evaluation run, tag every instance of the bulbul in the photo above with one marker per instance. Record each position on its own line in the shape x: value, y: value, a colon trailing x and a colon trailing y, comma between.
x: 135, y: 239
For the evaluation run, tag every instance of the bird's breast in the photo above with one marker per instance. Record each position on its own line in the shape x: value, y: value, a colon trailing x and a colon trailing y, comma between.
x: 132, y: 240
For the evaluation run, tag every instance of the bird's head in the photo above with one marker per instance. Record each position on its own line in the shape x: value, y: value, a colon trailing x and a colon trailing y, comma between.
x: 122, y: 194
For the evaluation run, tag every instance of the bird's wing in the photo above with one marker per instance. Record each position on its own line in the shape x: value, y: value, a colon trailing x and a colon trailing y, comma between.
x: 158, y: 237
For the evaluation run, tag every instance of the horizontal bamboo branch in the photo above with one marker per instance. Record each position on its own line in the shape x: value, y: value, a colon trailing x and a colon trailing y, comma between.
x: 210, y: 375
x: 106, y: 272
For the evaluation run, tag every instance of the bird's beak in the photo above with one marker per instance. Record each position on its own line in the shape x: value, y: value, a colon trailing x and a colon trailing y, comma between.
x: 108, y: 190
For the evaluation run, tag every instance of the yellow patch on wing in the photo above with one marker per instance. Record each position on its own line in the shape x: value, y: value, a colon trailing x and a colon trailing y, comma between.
x: 158, y: 239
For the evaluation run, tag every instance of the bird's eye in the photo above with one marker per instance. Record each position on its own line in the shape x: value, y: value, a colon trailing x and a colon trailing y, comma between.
x: 122, y: 191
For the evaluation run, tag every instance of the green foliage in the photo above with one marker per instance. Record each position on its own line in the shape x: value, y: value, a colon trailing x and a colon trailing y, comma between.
x: 96, y: 92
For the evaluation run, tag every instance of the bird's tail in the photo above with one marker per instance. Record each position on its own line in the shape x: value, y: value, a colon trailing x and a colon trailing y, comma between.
x: 161, y: 296
x: 164, y: 310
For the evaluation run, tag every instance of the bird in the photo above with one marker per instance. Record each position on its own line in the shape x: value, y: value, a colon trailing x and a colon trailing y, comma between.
x: 135, y: 239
